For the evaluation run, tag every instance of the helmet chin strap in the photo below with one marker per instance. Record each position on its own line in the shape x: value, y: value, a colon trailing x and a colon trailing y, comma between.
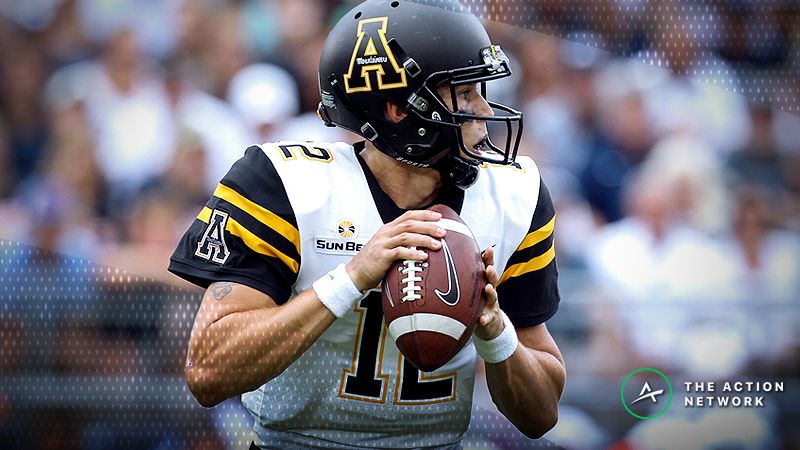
x: 459, y: 171
x: 463, y: 172
x: 454, y: 168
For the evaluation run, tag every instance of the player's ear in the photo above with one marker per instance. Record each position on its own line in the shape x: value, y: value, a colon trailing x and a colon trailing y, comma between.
x: 394, y: 112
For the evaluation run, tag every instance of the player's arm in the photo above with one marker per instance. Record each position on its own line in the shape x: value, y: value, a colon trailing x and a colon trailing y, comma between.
x: 527, y: 386
x: 242, y: 338
x: 524, y: 368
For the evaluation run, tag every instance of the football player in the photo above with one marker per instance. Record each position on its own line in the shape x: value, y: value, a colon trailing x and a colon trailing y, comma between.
x: 297, y: 237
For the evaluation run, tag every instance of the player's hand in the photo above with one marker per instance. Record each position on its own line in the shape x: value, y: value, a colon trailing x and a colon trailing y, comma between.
x: 490, y: 322
x: 406, y: 237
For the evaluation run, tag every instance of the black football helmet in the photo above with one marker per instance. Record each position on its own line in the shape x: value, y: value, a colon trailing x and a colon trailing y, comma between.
x: 402, y: 51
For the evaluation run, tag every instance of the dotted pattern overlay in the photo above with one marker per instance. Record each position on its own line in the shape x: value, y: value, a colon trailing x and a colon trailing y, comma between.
x: 751, y: 48
x: 92, y: 358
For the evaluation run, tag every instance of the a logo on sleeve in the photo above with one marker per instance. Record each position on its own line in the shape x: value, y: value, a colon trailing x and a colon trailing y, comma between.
x: 453, y: 293
x: 212, y: 245
x: 372, y: 53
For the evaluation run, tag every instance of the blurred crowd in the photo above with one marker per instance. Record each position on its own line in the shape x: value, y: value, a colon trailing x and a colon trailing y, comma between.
x: 678, y: 201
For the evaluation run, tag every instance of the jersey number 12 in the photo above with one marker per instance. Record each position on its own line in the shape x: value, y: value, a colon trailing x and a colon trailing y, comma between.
x: 365, y: 381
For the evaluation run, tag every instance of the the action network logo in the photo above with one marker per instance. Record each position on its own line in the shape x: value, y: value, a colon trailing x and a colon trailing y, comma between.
x: 646, y: 393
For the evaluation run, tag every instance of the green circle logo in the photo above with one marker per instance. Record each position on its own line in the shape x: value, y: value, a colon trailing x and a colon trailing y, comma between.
x: 651, y: 385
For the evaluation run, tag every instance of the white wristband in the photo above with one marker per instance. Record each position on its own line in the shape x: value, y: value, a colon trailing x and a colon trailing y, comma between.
x: 501, y: 347
x: 336, y: 291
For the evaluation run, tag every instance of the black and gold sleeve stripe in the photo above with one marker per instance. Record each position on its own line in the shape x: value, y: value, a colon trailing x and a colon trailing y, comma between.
x: 528, y: 287
x: 531, y: 254
x: 260, y: 229
x: 261, y: 238
x: 254, y: 192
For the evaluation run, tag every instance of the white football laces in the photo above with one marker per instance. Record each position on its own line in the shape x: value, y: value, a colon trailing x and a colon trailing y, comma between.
x: 411, y: 271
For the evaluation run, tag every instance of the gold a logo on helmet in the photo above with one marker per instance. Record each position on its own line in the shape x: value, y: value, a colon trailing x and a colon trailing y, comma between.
x: 372, y: 54
x: 346, y: 229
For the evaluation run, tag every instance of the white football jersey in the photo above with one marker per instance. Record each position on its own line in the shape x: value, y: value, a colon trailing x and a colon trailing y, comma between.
x: 289, y: 212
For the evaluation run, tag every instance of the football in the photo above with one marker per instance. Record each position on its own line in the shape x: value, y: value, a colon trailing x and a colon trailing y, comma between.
x: 431, y: 307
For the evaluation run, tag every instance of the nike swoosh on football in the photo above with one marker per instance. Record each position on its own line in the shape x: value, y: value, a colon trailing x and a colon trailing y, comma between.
x: 453, y: 294
x: 388, y: 293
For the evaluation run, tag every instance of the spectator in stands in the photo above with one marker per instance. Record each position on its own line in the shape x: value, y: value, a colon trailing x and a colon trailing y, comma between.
x: 129, y: 116
x: 650, y: 264
x: 696, y: 169
x: 616, y: 152
x: 561, y: 115
x: 265, y: 96
x: 66, y: 196
x: 220, y: 129
x: 765, y: 262
x: 22, y: 71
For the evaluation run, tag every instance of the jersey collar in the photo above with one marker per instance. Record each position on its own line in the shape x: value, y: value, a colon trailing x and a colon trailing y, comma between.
x: 449, y: 195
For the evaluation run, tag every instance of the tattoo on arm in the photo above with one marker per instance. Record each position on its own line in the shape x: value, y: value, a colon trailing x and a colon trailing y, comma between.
x: 220, y: 290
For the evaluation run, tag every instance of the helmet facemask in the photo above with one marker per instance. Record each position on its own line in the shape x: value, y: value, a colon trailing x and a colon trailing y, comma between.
x: 461, y: 156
